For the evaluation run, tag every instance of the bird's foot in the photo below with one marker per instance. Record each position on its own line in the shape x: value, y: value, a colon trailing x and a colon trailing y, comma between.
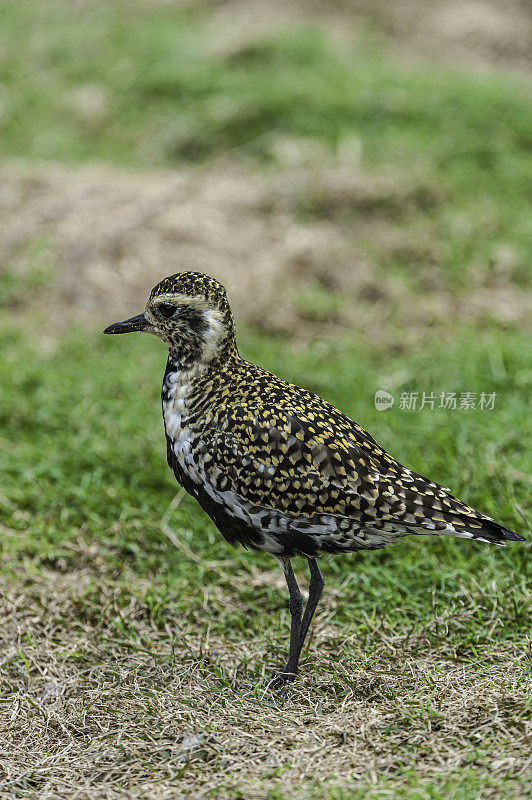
x: 279, y: 680
x: 272, y: 688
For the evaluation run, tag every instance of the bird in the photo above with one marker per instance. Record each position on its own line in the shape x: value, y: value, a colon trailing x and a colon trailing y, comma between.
x: 276, y: 467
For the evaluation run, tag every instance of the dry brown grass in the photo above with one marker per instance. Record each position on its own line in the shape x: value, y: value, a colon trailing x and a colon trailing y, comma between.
x: 477, y: 33
x: 294, y: 250
x: 99, y: 700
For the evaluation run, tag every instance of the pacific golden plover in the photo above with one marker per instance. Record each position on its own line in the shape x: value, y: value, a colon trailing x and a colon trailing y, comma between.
x: 274, y: 466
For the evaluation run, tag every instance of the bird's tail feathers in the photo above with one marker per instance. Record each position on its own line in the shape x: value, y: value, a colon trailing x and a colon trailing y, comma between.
x: 481, y: 529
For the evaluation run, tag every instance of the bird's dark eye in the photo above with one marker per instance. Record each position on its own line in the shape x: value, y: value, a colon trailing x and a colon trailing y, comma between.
x: 166, y: 310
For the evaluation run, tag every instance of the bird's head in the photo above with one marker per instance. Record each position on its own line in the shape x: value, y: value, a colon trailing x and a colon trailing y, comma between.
x: 190, y: 312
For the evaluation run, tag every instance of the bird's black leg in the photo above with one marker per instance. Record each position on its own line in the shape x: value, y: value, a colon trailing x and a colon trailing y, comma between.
x: 315, y: 590
x: 296, y: 610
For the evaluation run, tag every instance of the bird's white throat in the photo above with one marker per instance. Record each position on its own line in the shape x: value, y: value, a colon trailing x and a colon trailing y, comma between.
x: 176, y: 394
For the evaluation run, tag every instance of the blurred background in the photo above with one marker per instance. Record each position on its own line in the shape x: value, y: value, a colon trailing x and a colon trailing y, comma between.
x: 360, y: 165
x: 358, y: 173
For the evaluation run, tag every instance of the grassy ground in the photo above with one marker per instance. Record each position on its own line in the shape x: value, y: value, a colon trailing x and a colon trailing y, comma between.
x: 125, y: 619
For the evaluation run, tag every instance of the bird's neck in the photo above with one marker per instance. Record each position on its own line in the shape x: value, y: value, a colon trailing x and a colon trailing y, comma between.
x: 204, y: 352
x: 193, y: 388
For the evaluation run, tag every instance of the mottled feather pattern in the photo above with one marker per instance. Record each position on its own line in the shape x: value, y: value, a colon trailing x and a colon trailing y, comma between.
x: 280, y: 460
x: 274, y: 466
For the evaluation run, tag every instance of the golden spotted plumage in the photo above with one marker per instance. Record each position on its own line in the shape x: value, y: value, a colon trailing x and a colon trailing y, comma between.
x: 275, y: 466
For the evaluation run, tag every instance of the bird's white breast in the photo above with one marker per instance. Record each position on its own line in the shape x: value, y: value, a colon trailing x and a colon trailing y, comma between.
x: 175, y: 413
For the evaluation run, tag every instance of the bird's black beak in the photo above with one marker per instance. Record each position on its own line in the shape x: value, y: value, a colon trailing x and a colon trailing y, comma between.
x: 138, y: 323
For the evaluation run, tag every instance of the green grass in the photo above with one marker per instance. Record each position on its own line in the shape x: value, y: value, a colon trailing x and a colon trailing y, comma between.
x: 86, y: 492
x: 89, y: 454
x: 174, y: 94
x: 469, y: 787
x: 151, y: 85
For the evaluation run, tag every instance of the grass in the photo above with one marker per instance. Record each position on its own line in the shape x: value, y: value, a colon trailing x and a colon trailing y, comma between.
x: 143, y: 85
x: 149, y: 613
x: 42, y: 397
x: 124, y: 617
x: 171, y: 91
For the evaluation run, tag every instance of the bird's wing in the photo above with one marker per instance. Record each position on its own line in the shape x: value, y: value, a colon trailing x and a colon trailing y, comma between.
x: 299, y: 462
